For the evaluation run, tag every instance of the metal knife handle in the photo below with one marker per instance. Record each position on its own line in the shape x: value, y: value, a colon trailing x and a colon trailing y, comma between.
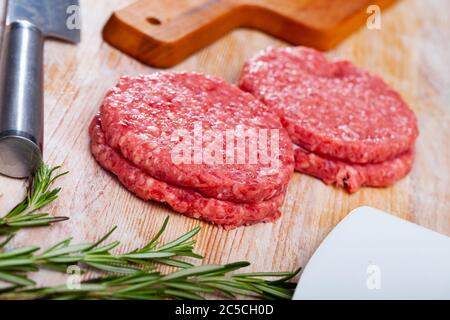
x: 21, y: 99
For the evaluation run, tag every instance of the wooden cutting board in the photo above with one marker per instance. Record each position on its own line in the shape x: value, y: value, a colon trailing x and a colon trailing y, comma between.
x: 410, y: 52
x: 162, y: 33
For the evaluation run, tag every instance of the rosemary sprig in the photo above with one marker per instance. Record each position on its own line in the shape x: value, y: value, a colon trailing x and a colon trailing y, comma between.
x: 26, y: 214
x: 132, y: 275
x: 96, y: 256
x: 191, y: 283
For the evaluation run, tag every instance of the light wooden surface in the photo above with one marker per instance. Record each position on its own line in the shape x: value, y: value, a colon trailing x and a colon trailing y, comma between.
x: 163, y: 33
x: 411, y: 52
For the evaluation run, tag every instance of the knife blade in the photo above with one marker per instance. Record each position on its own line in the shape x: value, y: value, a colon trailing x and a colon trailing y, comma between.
x: 27, y: 24
x: 50, y: 16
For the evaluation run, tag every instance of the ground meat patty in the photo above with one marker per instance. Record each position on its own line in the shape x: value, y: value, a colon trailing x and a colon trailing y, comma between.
x: 353, y: 176
x: 188, y: 202
x: 331, y: 108
x: 141, y: 115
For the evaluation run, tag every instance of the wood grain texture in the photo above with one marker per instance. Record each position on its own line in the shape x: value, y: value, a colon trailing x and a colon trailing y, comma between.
x: 410, y: 52
x: 164, y: 33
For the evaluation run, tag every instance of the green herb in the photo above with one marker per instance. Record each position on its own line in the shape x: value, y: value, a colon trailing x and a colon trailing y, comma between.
x: 26, y: 214
x: 96, y: 256
x: 134, y: 275
x: 131, y: 275
x: 191, y: 283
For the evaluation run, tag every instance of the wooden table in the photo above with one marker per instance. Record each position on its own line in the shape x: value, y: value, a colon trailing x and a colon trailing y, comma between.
x: 411, y: 52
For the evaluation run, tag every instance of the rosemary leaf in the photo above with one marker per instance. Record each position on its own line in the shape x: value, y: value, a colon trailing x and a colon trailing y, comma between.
x: 39, y: 194
x: 130, y: 275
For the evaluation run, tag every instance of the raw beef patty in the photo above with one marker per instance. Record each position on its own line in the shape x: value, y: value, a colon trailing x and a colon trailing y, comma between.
x: 141, y: 116
x: 183, y: 200
x: 334, y: 109
x: 353, y: 176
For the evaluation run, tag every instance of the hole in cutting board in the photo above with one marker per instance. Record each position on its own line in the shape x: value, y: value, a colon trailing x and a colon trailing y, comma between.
x: 154, y: 21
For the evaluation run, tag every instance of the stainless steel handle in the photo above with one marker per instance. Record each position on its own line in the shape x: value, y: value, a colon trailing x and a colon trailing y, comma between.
x: 21, y: 99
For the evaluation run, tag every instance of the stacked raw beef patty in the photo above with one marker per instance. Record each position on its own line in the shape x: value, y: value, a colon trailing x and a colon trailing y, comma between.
x: 145, y: 121
x: 349, y: 127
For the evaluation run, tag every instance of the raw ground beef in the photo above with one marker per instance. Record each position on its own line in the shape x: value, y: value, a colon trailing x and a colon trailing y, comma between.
x: 353, y: 176
x: 140, y: 114
x: 183, y: 200
x: 330, y: 108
